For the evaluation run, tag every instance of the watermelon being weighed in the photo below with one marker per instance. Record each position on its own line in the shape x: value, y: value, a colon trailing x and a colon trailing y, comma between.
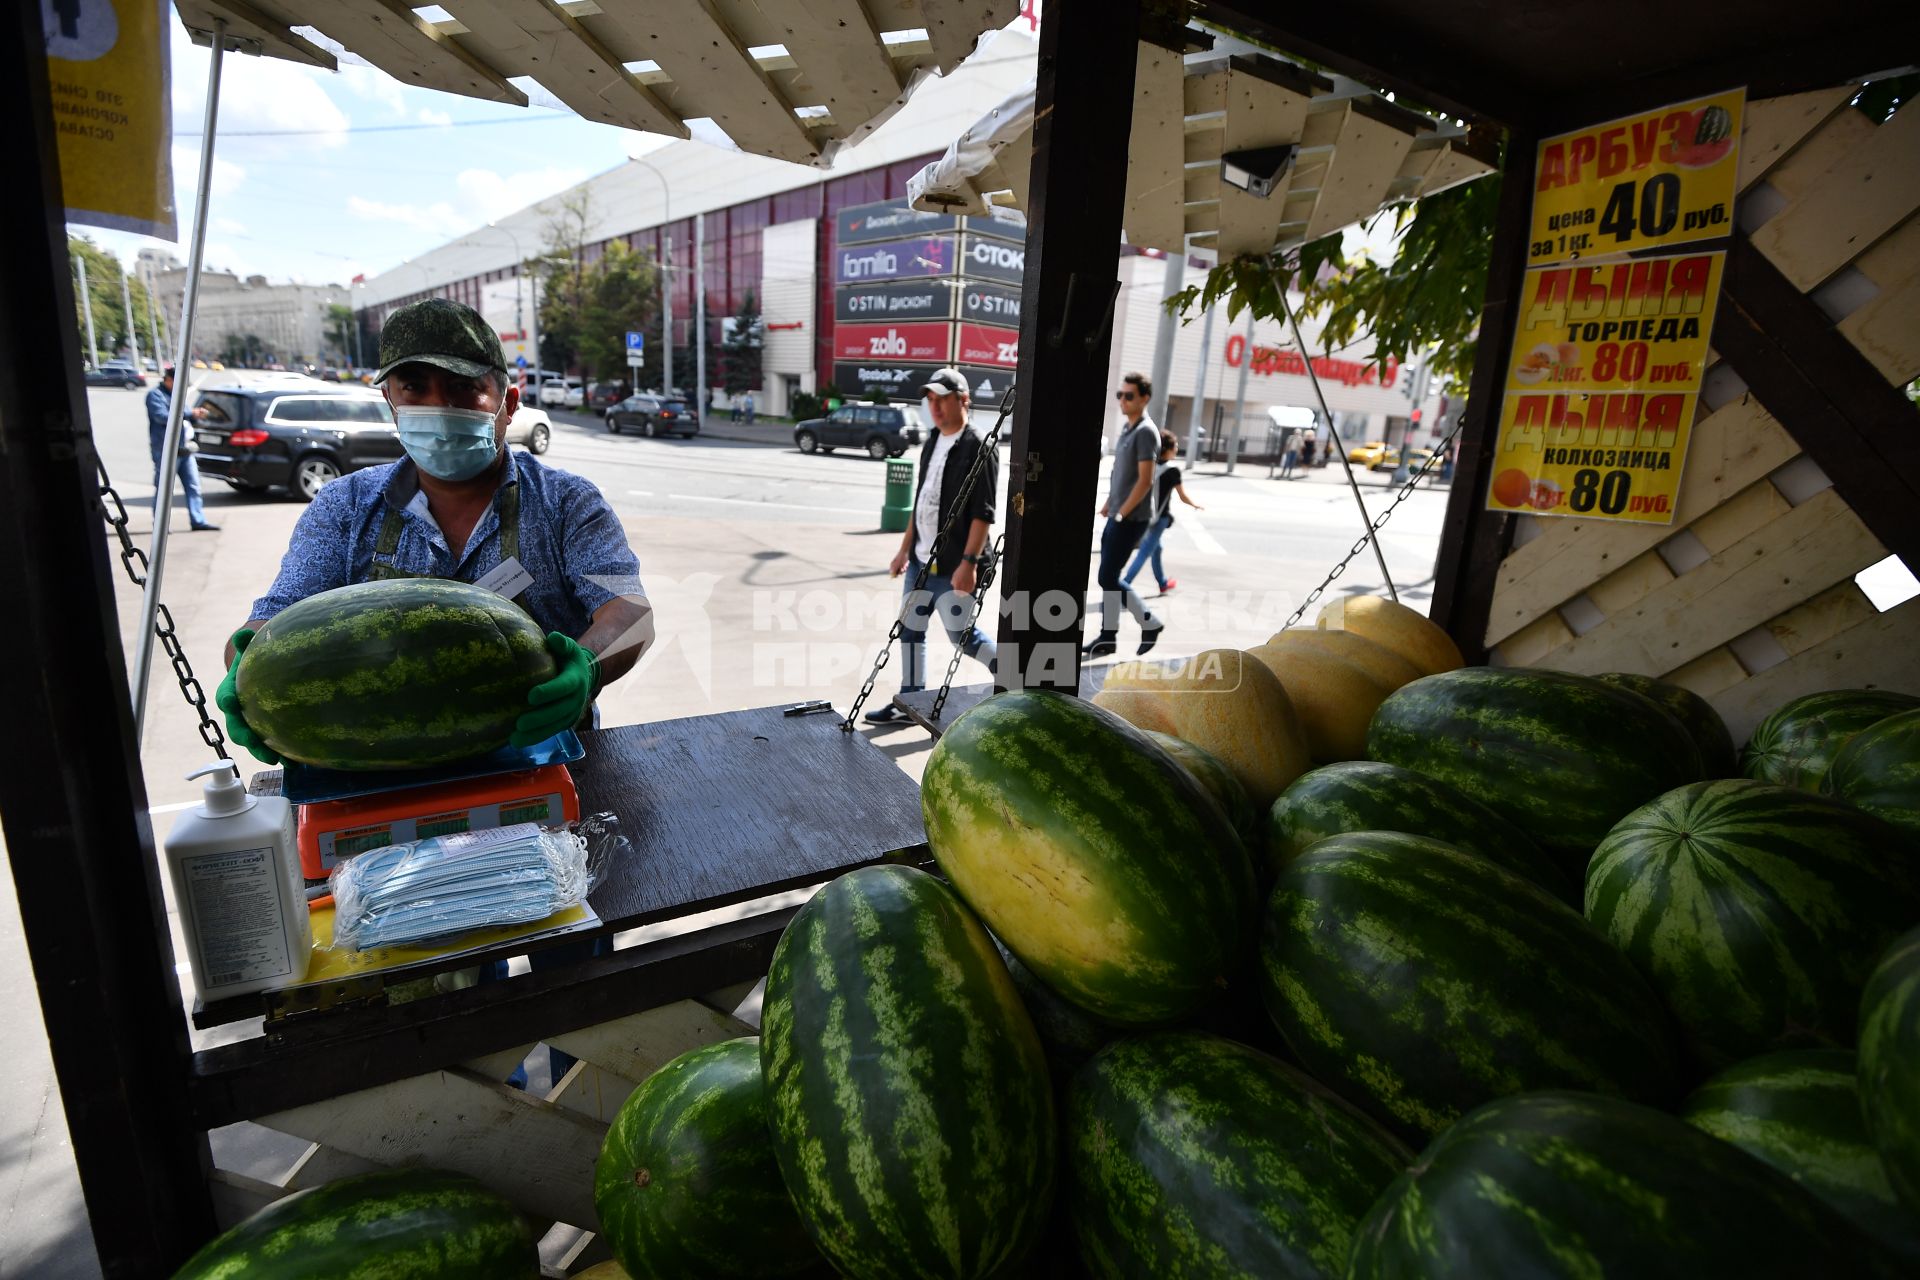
x: 1799, y: 1111
x: 1552, y: 1185
x: 686, y: 1184
x: 1562, y: 757
x: 1756, y: 911
x: 908, y: 1097
x: 398, y: 674
x: 1190, y: 1155
x: 410, y: 1224
x: 1360, y: 795
x: 1794, y: 745
x: 1419, y: 982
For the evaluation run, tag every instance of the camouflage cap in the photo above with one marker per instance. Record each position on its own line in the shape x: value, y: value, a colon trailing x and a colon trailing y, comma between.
x: 440, y: 331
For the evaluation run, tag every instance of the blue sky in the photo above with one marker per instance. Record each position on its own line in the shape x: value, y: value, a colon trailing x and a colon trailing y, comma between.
x: 338, y: 190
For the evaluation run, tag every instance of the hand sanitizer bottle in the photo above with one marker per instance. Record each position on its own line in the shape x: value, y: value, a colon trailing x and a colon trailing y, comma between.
x: 236, y: 880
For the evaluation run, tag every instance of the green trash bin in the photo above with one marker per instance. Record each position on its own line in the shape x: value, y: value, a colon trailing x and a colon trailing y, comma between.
x: 897, y: 513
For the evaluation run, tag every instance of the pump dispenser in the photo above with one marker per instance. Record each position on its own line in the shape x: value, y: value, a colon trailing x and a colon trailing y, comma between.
x: 236, y: 881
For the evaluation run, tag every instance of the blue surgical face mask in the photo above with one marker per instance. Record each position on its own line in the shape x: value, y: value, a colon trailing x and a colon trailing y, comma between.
x: 448, y: 444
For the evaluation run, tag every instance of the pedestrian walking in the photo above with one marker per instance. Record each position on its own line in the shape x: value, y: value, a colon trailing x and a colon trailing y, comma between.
x: 1289, y: 455
x: 737, y: 401
x: 952, y: 561
x: 749, y: 408
x: 1166, y: 483
x: 158, y: 402
x: 1306, y: 452
x: 1128, y: 511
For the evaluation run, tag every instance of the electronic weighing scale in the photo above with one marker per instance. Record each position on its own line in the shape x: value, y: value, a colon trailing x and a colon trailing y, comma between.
x: 342, y: 813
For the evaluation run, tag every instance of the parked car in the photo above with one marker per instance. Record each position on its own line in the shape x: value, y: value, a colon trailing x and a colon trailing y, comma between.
x: 116, y: 373
x: 282, y: 431
x: 1367, y: 454
x: 604, y: 395
x: 560, y: 393
x: 531, y: 429
x: 654, y: 416
x: 883, y: 430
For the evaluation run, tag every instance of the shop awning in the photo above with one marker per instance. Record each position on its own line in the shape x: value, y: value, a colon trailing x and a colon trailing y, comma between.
x: 791, y: 79
x: 1353, y: 151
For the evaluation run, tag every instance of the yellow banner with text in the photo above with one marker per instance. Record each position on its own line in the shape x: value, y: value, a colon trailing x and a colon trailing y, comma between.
x: 107, y: 68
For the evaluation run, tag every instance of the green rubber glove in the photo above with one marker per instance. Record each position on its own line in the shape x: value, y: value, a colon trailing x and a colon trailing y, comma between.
x: 227, y: 698
x: 559, y: 703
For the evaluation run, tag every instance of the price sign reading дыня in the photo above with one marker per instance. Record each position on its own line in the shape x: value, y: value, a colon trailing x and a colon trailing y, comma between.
x: 1664, y: 177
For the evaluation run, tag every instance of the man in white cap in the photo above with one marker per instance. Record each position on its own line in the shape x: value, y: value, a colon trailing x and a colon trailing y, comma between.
x: 952, y: 560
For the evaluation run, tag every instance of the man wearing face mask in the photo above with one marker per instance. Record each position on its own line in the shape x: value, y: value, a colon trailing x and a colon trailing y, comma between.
x: 462, y: 506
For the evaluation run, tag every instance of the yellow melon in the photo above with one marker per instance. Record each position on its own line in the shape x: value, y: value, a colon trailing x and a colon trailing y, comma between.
x: 1405, y: 631
x: 1378, y: 661
x: 1334, y: 700
x: 1221, y: 701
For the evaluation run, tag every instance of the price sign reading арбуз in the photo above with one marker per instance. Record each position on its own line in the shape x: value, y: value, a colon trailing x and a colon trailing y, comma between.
x: 1602, y: 386
x: 1658, y: 179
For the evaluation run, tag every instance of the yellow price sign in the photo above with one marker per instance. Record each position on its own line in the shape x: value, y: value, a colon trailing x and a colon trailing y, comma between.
x: 1594, y: 455
x: 107, y: 70
x: 1617, y: 326
x: 1664, y: 177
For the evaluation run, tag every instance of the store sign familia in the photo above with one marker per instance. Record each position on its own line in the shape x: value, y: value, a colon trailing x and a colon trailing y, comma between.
x: 1604, y: 377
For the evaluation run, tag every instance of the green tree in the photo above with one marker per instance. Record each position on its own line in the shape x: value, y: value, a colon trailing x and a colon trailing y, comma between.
x: 340, y: 330
x: 618, y: 294
x: 740, y: 349
x: 561, y: 270
x: 109, y: 306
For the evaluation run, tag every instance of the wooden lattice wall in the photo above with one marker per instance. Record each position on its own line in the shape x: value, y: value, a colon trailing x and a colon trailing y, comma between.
x: 1748, y: 597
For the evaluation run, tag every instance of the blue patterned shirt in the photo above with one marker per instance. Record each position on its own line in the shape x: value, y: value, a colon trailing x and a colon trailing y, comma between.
x: 570, y: 541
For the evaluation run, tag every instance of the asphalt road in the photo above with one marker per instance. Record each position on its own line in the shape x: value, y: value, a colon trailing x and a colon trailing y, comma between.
x: 754, y: 524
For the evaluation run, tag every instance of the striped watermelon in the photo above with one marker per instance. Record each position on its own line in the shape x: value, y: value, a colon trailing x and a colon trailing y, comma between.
x: 1756, y: 911
x: 1794, y: 745
x: 686, y: 1184
x: 1069, y: 1034
x: 1190, y: 1155
x: 1212, y: 773
x: 1800, y: 1112
x: 1879, y: 771
x: 1551, y: 1185
x: 1421, y: 981
x: 1091, y: 853
x: 391, y: 675
x: 1562, y: 757
x: 1890, y: 1064
x: 908, y: 1095
x: 1359, y: 795
x: 406, y: 1224
x: 1696, y: 715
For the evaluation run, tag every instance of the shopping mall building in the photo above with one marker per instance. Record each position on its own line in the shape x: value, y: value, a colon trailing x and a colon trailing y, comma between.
x: 859, y: 299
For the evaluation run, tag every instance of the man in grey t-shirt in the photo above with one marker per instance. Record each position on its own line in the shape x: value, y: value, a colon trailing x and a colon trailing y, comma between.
x: 1129, y: 513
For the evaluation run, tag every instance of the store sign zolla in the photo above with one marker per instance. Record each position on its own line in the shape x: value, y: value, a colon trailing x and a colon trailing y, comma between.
x: 1280, y: 360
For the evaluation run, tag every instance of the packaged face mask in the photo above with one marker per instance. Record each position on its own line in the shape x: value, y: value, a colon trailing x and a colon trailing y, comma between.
x: 425, y: 889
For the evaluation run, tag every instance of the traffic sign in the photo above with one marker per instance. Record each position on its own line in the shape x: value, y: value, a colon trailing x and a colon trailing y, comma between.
x: 636, y: 342
x: 520, y: 363
x: 635, y: 360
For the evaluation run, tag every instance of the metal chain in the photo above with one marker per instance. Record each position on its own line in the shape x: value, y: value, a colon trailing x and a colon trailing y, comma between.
x: 1374, y: 528
x: 135, y: 562
x: 990, y: 442
x: 989, y: 566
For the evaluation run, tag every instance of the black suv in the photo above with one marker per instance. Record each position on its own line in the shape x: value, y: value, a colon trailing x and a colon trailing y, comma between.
x: 883, y: 430
x: 653, y: 415
x: 292, y: 432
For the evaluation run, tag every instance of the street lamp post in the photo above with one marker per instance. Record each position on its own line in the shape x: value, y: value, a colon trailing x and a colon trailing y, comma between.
x: 529, y: 321
x: 666, y: 277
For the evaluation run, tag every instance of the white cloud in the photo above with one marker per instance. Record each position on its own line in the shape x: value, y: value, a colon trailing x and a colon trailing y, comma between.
x: 429, y: 116
x: 232, y: 226
x: 477, y: 196
x: 227, y: 176
x: 256, y: 94
x: 375, y: 86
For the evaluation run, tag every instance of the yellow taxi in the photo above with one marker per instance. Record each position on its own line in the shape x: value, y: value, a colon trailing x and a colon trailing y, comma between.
x: 1367, y: 454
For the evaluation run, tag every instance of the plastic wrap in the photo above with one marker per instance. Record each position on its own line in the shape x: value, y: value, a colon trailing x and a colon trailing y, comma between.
x: 428, y: 889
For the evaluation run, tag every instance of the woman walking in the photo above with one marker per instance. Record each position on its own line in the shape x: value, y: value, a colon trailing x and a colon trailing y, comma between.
x: 1166, y: 483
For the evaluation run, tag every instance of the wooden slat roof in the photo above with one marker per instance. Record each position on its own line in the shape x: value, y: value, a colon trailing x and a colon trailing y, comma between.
x: 790, y: 79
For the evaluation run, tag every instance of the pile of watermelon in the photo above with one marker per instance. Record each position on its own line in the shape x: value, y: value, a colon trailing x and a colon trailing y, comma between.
x: 1335, y: 957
